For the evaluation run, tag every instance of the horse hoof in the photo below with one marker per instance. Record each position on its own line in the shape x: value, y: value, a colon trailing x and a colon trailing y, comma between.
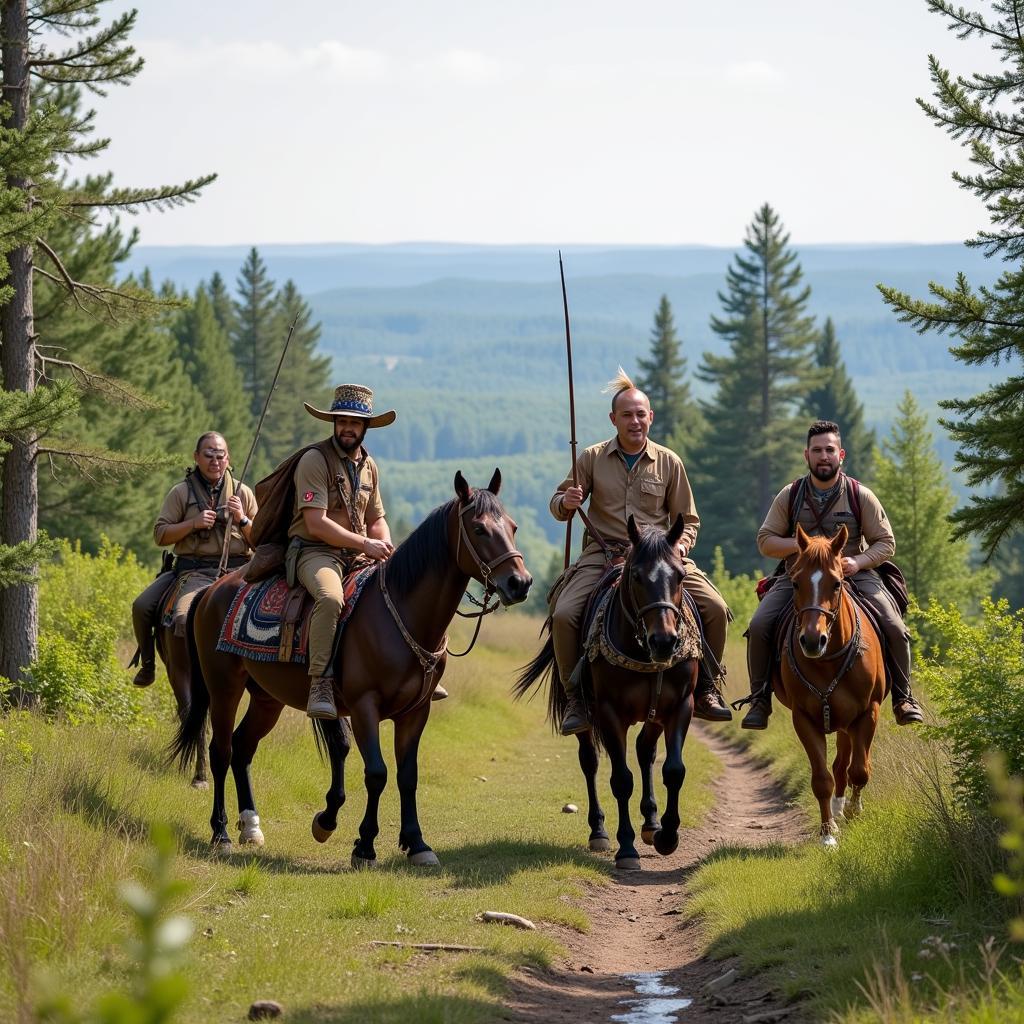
x: 221, y: 847
x: 628, y: 864
x: 829, y: 842
x: 599, y: 844
x: 424, y: 859
x: 647, y: 835
x: 664, y: 843
x: 249, y: 831
x: 200, y: 784
x: 320, y: 834
x: 363, y: 863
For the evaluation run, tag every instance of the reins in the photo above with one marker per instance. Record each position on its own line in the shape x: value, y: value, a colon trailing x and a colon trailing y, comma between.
x: 429, y: 660
x: 851, y: 650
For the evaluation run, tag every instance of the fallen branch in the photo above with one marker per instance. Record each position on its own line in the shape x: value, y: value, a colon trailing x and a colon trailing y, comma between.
x: 496, y: 917
x: 433, y: 947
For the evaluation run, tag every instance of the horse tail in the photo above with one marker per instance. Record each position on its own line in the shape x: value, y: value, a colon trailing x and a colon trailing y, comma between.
x: 192, y: 729
x: 320, y: 737
x: 543, y: 665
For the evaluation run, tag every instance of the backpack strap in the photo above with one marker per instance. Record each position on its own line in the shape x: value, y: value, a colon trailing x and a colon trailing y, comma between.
x: 853, y: 496
x: 797, y: 491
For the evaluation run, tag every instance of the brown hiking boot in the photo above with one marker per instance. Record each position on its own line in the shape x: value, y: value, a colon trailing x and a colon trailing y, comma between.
x: 907, y: 712
x: 440, y: 693
x: 708, y: 704
x: 575, y: 718
x: 146, y: 674
x: 321, y: 698
x: 757, y: 715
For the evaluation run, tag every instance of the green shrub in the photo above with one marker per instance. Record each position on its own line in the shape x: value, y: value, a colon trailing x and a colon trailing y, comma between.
x: 975, y: 678
x: 738, y: 591
x: 85, y: 628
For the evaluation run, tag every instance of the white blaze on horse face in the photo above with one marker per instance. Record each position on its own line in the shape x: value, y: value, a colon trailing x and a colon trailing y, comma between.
x: 816, y: 578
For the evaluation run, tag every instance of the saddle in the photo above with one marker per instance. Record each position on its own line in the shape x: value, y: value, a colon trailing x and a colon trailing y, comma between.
x: 269, y: 621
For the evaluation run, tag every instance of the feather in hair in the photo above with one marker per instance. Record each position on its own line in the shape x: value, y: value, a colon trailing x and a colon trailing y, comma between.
x: 620, y: 382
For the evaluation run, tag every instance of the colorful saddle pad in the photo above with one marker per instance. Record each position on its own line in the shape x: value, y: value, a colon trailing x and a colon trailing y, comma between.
x: 252, y: 627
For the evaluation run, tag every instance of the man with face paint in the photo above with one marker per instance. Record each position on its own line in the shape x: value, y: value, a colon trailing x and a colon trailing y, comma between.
x: 822, y: 506
x: 337, y: 516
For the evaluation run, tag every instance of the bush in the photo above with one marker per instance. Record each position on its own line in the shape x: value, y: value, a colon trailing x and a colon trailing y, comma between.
x: 975, y: 677
x: 85, y: 629
x: 738, y: 591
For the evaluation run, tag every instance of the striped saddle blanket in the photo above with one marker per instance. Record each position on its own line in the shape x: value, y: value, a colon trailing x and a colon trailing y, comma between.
x: 253, y: 626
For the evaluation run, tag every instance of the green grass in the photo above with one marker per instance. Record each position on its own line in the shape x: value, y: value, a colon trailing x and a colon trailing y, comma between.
x: 855, y: 931
x: 291, y: 922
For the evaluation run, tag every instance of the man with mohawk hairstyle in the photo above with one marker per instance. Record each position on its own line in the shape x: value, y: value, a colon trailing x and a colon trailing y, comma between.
x: 631, y: 475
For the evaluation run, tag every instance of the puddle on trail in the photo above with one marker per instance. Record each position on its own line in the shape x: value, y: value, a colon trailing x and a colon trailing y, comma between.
x: 655, y: 1002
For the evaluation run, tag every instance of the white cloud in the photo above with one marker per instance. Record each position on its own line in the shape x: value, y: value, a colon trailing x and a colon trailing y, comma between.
x: 753, y: 71
x: 466, y: 66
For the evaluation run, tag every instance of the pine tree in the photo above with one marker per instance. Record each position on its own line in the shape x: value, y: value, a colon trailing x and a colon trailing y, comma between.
x: 833, y: 398
x: 755, y: 423
x: 205, y: 349
x: 912, y: 486
x: 254, y: 341
x: 41, y: 123
x: 662, y: 378
x: 983, y: 112
x: 223, y: 307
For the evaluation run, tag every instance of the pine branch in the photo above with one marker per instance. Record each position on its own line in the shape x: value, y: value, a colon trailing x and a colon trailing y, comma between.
x: 117, y: 391
x: 165, y: 197
x: 101, y: 464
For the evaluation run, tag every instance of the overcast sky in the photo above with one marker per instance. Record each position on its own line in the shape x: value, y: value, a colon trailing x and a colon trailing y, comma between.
x: 657, y: 121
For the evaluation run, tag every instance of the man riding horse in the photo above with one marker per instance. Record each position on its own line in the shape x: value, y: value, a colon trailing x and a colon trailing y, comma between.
x: 631, y: 475
x: 193, y: 518
x: 821, y: 502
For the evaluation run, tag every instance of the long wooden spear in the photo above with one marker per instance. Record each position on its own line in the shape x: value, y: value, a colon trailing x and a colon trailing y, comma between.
x: 222, y: 568
x: 572, y: 407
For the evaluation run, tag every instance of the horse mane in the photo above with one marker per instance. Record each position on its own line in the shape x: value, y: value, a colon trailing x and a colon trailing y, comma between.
x: 653, y: 546
x: 817, y: 552
x: 425, y: 552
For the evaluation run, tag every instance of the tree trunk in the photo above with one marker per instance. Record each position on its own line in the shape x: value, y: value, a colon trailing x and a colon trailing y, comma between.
x: 19, y: 605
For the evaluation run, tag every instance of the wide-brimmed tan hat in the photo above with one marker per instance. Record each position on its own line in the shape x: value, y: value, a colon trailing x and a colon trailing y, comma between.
x: 353, y: 400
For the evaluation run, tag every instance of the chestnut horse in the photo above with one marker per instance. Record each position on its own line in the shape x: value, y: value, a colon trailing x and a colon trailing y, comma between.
x: 831, y: 676
x: 646, y: 625
x: 392, y: 657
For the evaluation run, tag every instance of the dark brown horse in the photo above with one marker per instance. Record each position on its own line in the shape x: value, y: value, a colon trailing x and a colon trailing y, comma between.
x: 645, y: 626
x: 831, y: 676
x: 173, y: 651
x: 392, y: 657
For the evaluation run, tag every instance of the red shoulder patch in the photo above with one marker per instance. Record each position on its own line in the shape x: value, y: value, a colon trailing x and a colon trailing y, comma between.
x: 308, y: 496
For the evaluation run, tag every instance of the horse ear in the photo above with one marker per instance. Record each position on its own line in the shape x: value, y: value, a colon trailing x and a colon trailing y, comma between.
x: 495, y: 485
x: 676, y: 532
x: 802, y: 539
x: 462, y: 488
x: 839, y: 540
x: 634, y: 533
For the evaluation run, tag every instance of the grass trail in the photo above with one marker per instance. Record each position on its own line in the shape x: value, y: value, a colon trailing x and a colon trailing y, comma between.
x: 291, y: 922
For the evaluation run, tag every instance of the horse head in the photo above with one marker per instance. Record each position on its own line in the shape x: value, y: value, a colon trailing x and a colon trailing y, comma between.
x: 485, y: 545
x: 652, y: 584
x: 817, y: 577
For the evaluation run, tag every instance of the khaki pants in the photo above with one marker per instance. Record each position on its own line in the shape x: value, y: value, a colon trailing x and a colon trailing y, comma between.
x: 145, y: 606
x: 869, y: 585
x: 570, y: 602
x: 320, y: 571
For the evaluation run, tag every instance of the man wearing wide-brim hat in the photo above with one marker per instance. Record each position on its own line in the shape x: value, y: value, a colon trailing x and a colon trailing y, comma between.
x: 338, y: 516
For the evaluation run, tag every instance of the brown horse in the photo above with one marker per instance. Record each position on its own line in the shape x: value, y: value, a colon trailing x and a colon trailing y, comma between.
x: 393, y: 655
x: 831, y: 676
x: 645, y: 626
x: 173, y: 651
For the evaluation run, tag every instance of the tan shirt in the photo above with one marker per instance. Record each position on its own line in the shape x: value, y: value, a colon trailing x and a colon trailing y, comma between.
x: 329, y: 486
x: 180, y: 504
x: 872, y: 539
x: 654, y: 492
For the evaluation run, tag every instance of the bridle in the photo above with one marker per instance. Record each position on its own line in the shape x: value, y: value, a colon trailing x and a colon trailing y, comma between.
x: 635, y: 615
x: 830, y: 616
x: 484, y: 568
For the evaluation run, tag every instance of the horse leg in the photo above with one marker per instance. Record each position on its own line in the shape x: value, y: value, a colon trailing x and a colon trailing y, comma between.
x: 337, y: 738
x: 613, y: 734
x: 179, y: 674
x: 408, y: 730
x: 673, y: 773
x: 588, y: 756
x: 646, y: 752
x: 260, y: 717
x: 813, y: 739
x: 222, y: 720
x: 366, y: 726
x: 860, y: 769
x: 840, y: 771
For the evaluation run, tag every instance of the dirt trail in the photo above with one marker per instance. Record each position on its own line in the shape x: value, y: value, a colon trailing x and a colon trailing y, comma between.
x: 633, y: 927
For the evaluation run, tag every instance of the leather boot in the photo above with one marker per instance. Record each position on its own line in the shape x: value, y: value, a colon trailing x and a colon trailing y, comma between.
x: 760, y: 709
x: 575, y: 718
x: 146, y: 655
x: 321, y: 698
x: 708, y: 703
x: 147, y: 671
x: 907, y: 711
x: 440, y: 693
